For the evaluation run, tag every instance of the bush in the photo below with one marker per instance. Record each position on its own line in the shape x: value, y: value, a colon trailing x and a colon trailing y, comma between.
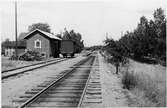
x: 13, y: 57
x: 31, y: 56
x: 162, y: 60
x: 129, y: 80
x: 114, y: 60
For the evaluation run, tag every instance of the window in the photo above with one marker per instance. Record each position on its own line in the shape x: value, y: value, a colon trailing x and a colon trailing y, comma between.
x: 37, y: 43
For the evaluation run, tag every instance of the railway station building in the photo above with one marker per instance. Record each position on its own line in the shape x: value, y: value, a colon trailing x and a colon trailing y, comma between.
x: 43, y: 42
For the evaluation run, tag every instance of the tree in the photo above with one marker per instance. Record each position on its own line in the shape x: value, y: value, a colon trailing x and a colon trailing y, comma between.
x: 160, y: 31
x: 115, y: 49
x: 22, y: 35
x: 66, y: 35
x: 72, y: 35
x: 42, y: 26
x: 75, y: 36
x: 147, y: 40
x: 78, y: 36
x: 7, y: 40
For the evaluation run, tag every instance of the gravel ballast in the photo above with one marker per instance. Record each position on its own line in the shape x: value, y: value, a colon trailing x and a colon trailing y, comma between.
x: 14, y: 87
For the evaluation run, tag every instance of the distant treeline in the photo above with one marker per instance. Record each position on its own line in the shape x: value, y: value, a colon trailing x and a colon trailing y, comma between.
x: 148, y: 40
x: 93, y: 48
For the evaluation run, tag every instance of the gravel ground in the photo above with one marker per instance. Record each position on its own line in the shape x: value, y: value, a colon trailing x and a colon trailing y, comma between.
x: 93, y: 97
x: 11, y: 64
x: 14, y: 87
x: 113, y: 95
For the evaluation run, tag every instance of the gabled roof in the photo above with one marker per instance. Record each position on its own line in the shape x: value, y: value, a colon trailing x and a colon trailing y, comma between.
x: 49, y: 35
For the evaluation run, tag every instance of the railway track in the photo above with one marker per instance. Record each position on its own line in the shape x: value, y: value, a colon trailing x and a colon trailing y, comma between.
x: 65, y: 91
x: 20, y: 70
x: 93, y: 93
x: 8, y: 70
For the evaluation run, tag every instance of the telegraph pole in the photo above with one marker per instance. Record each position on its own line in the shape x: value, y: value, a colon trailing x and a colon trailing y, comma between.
x: 16, y: 50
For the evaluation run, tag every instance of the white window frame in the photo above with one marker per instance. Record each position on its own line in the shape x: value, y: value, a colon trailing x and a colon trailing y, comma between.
x: 36, y: 42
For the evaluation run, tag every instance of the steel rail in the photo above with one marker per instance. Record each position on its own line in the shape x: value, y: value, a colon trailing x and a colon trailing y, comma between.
x: 14, y: 74
x: 31, y: 100
x: 84, y: 91
x: 35, y: 97
x: 29, y: 65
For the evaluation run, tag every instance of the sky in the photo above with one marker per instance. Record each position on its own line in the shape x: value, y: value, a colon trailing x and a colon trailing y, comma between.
x: 93, y: 19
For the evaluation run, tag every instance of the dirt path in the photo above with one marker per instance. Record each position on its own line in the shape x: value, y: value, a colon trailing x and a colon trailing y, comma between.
x: 112, y: 92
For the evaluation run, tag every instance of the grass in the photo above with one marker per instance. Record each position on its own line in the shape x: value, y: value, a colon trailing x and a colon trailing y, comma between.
x: 6, y: 64
x: 146, y: 81
x: 10, y: 64
x: 151, y: 92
